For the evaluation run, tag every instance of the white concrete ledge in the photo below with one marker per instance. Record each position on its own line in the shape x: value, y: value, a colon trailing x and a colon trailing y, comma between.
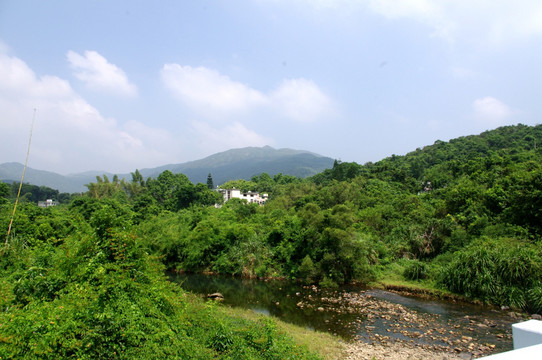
x: 526, y: 353
x: 527, y: 342
x: 527, y: 333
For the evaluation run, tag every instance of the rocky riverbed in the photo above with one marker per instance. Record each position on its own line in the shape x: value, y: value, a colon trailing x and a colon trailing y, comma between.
x: 364, y: 351
x: 374, y: 323
x: 390, y: 330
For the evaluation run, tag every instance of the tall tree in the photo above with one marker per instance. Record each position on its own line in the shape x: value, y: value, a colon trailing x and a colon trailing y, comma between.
x: 135, y: 187
x: 172, y: 191
x: 210, y: 184
x: 103, y: 188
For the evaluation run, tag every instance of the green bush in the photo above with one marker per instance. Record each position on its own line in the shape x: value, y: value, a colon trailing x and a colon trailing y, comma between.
x: 534, y: 299
x: 415, y: 270
x: 503, y: 272
x: 99, y: 295
x: 307, y: 270
x: 328, y: 283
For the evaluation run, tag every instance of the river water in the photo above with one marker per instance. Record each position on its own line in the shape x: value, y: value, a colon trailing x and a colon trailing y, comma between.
x: 369, y: 315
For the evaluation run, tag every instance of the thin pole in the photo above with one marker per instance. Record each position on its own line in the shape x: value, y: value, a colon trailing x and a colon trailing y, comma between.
x: 22, y: 177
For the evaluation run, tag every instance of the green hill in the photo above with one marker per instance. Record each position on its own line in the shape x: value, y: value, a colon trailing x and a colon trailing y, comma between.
x: 228, y: 165
x: 246, y: 162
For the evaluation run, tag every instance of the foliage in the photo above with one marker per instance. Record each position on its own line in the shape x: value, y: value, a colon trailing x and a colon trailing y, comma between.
x: 210, y: 184
x: 103, y: 188
x: 97, y: 294
x: 86, y: 279
x: 307, y: 270
x: 415, y: 270
x: 500, y: 271
x: 33, y: 193
x: 345, y: 223
x: 4, y: 190
x: 243, y: 185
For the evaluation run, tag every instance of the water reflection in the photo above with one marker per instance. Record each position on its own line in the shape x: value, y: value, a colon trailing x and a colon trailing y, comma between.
x: 377, y: 314
x: 277, y: 298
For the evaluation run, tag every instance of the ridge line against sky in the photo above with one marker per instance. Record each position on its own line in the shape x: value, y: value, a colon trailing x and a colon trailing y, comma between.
x: 135, y: 84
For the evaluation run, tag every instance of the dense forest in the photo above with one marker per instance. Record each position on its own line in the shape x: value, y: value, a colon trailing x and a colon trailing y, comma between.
x: 86, y: 278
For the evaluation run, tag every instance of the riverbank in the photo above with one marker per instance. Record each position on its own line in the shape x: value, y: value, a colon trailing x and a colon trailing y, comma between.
x: 368, y: 320
x: 390, y: 320
x: 334, y: 348
x: 326, y: 345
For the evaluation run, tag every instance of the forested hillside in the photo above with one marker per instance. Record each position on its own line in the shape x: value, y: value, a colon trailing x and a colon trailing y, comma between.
x: 78, y: 282
x: 224, y: 166
x: 463, y: 216
x: 246, y: 162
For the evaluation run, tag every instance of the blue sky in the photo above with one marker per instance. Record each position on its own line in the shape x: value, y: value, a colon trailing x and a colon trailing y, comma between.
x: 121, y: 85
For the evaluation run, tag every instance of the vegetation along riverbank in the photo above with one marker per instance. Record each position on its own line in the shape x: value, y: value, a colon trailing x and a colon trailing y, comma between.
x: 85, y: 278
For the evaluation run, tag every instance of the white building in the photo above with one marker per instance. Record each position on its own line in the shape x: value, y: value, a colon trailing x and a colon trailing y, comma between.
x: 47, y: 203
x: 249, y: 196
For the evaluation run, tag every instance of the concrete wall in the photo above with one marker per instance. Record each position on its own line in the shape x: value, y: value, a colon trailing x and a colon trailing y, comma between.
x: 527, y: 342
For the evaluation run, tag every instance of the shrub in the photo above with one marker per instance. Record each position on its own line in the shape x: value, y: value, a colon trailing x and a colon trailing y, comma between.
x: 327, y: 283
x: 415, y: 270
x: 534, y: 299
x: 503, y: 272
x: 307, y: 270
x: 105, y: 298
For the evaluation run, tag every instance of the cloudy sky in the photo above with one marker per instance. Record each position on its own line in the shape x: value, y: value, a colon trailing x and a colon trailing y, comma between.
x: 121, y: 85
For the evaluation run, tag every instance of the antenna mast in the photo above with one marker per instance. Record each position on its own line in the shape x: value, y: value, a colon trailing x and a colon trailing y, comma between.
x: 22, y: 177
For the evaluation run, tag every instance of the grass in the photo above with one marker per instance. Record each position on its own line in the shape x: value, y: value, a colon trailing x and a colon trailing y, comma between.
x: 391, y: 277
x: 328, y: 346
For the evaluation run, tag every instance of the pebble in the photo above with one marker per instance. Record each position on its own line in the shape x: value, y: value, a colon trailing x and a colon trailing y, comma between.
x: 393, y: 351
x: 404, y: 333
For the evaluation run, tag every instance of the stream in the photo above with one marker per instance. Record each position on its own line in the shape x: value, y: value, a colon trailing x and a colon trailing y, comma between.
x: 364, y: 314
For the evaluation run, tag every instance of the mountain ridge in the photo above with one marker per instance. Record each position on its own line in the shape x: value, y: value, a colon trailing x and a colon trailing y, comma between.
x: 240, y: 163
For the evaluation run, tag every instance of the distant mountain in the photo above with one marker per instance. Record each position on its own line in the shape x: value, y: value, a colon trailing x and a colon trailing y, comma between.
x: 228, y: 165
x: 247, y: 162
x: 10, y: 172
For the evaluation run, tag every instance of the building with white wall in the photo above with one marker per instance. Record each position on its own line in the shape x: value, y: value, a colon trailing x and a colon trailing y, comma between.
x: 47, y: 203
x: 249, y: 196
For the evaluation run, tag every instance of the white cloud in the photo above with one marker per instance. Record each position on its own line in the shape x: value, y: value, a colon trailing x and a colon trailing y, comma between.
x: 301, y: 100
x: 213, y: 139
x: 70, y: 135
x: 207, y: 92
x: 98, y: 74
x: 17, y: 80
x: 405, y: 8
x: 425, y: 11
x: 482, y: 21
x: 479, y: 22
x: 490, y: 110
